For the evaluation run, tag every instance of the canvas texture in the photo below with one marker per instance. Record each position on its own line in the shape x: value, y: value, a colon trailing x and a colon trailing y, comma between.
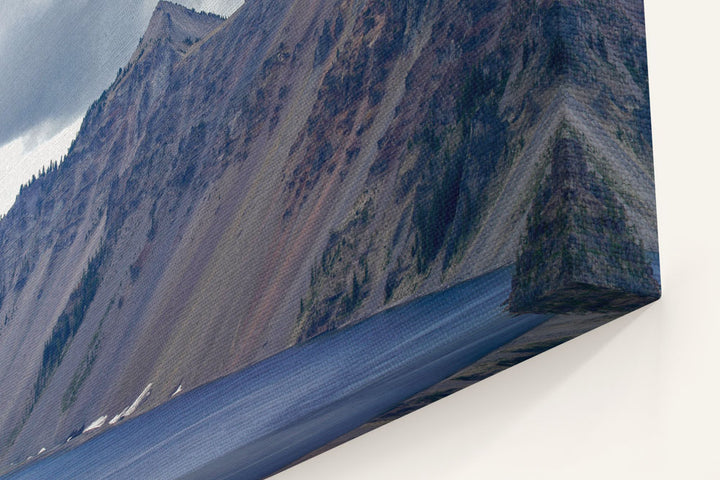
x: 279, y: 230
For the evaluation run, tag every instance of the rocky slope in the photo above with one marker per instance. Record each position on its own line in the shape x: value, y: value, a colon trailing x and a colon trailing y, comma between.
x: 579, y: 253
x: 249, y: 183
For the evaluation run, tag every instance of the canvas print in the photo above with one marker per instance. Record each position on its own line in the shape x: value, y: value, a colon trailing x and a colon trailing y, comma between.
x: 281, y: 228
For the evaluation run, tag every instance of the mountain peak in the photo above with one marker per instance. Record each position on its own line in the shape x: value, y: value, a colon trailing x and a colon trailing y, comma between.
x: 178, y: 24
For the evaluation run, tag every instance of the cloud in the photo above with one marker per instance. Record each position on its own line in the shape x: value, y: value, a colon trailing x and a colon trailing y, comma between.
x: 57, y: 56
x: 22, y: 158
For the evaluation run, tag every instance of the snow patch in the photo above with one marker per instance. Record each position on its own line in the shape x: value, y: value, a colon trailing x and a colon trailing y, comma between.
x: 177, y: 392
x: 96, y: 424
x: 134, y: 406
x: 131, y: 409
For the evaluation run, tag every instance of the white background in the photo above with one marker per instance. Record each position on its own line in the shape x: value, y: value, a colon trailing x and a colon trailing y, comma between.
x: 637, y: 398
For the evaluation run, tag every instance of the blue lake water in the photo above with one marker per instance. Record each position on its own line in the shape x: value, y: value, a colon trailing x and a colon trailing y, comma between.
x: 256, y: 421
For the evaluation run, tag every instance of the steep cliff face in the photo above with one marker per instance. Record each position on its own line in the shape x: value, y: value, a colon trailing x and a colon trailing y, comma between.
x: 248, y: 183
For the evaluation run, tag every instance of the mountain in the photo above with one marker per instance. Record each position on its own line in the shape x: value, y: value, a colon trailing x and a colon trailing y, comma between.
x: 248, y: 183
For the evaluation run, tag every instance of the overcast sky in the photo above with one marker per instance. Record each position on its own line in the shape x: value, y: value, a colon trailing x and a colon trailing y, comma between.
x: 56, y: 58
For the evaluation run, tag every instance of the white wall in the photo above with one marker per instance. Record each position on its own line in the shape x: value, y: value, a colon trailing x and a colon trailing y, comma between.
x: 637, y: 398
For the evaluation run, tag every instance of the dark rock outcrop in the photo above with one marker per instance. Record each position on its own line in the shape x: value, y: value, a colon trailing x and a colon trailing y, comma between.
x: 580, y: 254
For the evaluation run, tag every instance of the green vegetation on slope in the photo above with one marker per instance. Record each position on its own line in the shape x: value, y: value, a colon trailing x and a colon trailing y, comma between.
x: 344, y: 272
x: 85, y: 367
x: 465, y: 156
x: 434, y: 217
x: 63, y: 332
x: 70, y: 320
